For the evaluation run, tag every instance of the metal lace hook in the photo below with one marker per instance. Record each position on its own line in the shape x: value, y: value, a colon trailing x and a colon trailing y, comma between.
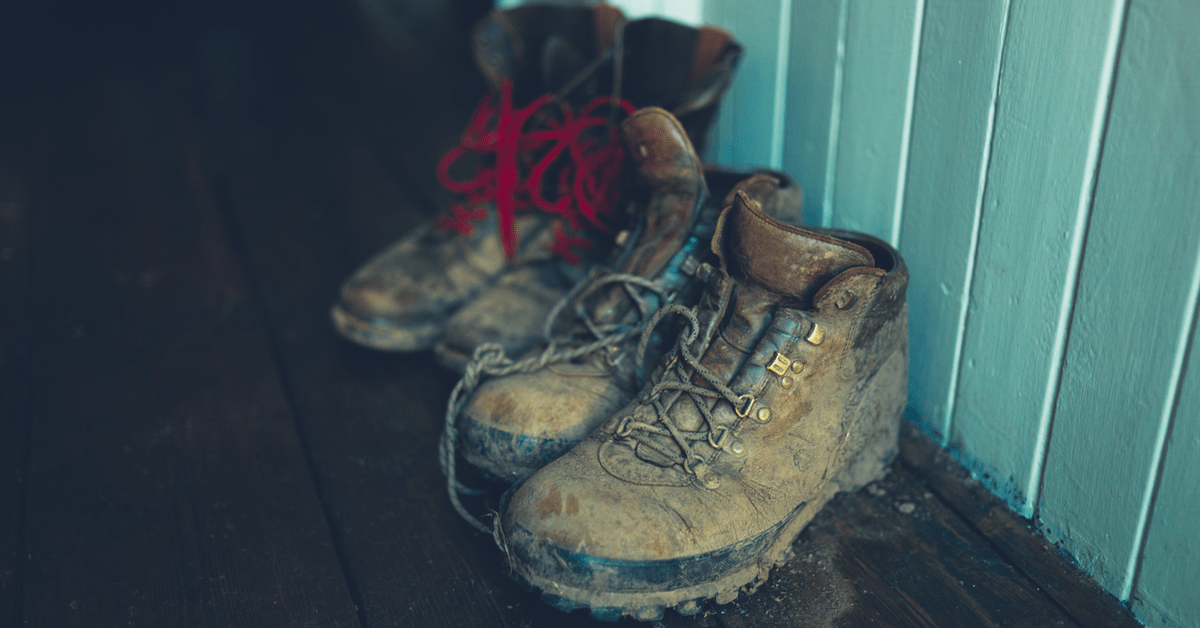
x: 744, y: 411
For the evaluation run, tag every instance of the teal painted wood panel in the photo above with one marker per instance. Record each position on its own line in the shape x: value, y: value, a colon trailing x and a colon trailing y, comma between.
x: 882, y: 39
x: 1168, y: 586
x: 1055, y: 80
x: 749, y: 129
x: 812, y: 117
x: 951, y: 141
x: 1135, y: 301
x: 685, y: 11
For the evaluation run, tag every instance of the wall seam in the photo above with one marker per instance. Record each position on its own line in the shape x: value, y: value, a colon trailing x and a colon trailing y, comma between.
x: 1083, y: 220
x: 835, y: 116
x: 973, y: 256
x: 906, y: 132
x: 782, y: 48
x: 1163, y: 437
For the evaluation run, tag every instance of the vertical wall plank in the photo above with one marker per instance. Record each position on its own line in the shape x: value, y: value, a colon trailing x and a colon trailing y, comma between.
x: 686, y: 11
x: 951, y: 139
x: 814, y: 85
x: 1168, y: 588
x: 749, y: 129
x: 1053, y: 96
x: 1135, y: 301
x: 882, y: 40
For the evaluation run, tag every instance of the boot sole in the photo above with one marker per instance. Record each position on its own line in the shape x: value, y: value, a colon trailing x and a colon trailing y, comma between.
x: 865, y: 456
x: 450, y: 358
x: 382, y: 334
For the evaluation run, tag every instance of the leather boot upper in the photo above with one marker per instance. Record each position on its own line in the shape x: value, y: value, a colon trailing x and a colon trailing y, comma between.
x: 793, y: 362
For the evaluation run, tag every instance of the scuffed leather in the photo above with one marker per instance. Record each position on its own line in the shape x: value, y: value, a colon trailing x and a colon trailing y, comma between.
x: 629, y: 507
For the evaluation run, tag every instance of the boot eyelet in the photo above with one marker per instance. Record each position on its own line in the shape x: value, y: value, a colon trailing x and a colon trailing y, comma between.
x: 797, y: 366
x: 763, y: 415
x: 786, y: 382
x: 736, y: 447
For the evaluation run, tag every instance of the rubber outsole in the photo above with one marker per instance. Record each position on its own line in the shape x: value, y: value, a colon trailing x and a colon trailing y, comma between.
x: 865, y: 456
x: 450, y: 358
x: 385, y: 335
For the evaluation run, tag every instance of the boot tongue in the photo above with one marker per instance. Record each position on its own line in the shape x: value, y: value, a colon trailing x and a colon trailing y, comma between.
x: 671, y: 178
x: 669, y: 191
x: 782, y: 258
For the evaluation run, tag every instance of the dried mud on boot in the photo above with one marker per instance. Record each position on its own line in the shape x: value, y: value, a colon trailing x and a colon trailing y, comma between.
x: 785, y: 387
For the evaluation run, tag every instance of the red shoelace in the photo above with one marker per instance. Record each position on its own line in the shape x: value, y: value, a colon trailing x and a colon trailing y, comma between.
x: 582, y: 152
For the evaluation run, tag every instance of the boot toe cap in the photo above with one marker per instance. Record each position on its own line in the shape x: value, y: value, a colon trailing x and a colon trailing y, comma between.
x: 510, y: 313
x: 592, y: 533
x: 514, y: 425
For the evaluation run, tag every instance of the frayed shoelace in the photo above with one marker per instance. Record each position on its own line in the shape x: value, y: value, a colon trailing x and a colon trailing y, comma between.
x: 676, y: 377
x: 582, y: 152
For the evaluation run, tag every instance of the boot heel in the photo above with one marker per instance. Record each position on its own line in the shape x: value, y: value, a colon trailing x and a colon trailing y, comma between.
x: 872, y: 442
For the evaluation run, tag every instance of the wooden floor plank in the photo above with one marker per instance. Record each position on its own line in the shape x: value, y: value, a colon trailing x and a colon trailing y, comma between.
x: 168, y: 486
x: 1016, y: 539
x: 15, y: 289
x: 315, y: 210
x: 893, y: 555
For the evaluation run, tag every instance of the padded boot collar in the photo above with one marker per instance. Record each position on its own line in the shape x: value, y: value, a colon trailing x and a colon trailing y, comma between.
x: 782, y: 258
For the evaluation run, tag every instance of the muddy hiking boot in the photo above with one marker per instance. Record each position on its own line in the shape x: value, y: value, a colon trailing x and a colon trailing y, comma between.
x: 538, y: 167
x: 784, y: 387
x: 513, y: 425
x: 529, y: 412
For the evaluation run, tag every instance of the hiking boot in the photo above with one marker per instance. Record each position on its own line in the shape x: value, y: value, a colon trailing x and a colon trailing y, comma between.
x: 542, y: 203
x: 785, y: 386
x: 516, y: 424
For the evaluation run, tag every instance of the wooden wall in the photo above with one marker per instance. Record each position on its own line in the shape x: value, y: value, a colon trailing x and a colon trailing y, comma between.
x: 1037, y: 162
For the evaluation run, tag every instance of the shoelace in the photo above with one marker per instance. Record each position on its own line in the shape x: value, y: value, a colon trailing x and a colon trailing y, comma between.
x: 676, y: 377
x: 582, y: 151
x: 489, y: 360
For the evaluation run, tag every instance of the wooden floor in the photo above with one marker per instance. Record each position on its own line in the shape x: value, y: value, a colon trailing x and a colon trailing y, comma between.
x: 184, y: 441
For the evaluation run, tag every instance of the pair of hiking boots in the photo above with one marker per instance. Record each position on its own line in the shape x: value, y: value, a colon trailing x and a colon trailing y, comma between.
x: 713, y: 392
x: 693, y: 402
